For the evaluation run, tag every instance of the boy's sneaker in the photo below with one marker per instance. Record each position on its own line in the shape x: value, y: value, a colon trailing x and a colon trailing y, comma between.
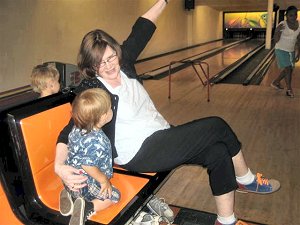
x: 260, y: 185
x: 147, y: 219
x: 82, y: 211
x: 239, y: 222
x: 65, y: 203
x: 160, y: 208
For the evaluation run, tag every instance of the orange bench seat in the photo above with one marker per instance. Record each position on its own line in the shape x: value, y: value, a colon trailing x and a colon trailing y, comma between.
x: 40, y: 132
x: 6, y: 214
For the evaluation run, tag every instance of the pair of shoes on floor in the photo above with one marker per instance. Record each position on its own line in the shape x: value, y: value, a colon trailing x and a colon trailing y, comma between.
x: 239, y: 222
x: 260, y: 185
x: 277, y: 86
x: 159, y: 207
x: 145, y: 218
x: 290, y: 93
x: 81, y: 212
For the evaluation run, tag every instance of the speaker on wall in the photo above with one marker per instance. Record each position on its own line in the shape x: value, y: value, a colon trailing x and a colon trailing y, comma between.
x: 189, y: 4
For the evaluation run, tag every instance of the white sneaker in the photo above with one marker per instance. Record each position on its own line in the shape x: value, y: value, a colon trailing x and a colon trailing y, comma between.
x: 161, y: 209
x: 147, y: 219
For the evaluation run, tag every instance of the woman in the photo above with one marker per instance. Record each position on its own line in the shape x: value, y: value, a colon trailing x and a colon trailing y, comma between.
x: 142, y: 140
x: 287, y: 48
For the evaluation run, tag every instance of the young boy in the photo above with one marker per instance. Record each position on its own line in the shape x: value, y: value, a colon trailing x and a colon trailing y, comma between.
x: 90, y: 151
x: 45, y: 80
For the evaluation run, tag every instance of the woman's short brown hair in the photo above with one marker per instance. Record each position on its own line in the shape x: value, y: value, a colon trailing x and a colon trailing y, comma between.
x: 92, y: 49
x: 89, y: 106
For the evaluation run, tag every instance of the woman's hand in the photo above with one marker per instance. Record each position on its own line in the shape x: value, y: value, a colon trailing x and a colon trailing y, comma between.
x: 278, y: 31
x: 297, y: 56
x: 280, y: 28
x: 71, y: 177
x: 297, y: 49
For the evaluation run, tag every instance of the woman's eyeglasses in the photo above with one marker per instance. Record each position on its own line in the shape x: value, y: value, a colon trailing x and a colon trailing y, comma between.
x: 109, y: 59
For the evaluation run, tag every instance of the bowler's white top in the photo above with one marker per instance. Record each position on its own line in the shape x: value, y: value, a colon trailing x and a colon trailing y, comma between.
x: 137, y: 118
x: 288, y: 38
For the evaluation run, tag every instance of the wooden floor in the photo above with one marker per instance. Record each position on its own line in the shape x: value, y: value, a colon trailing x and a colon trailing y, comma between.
x: 266, y: 122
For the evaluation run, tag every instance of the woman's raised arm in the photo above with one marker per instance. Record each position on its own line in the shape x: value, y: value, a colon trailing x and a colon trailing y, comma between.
x: 154, y: 12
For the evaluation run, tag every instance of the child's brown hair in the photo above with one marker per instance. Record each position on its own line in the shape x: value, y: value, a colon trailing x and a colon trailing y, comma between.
x: 89, y: 106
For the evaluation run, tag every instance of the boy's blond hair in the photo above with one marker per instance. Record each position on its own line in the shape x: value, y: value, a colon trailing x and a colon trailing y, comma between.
x: 40, y: 76
x: 89, y: 106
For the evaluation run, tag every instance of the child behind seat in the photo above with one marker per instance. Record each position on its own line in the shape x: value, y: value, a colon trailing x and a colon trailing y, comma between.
x: 45, y: 80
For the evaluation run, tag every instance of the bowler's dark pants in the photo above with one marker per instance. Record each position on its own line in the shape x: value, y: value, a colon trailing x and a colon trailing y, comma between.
x: 209, y: 142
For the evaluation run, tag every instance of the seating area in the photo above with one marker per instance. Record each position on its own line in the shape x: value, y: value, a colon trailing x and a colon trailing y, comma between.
x: 34, y: 129
x: 6, y: 210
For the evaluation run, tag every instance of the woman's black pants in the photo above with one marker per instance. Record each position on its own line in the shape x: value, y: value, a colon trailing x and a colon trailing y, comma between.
x: 209, y: 142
